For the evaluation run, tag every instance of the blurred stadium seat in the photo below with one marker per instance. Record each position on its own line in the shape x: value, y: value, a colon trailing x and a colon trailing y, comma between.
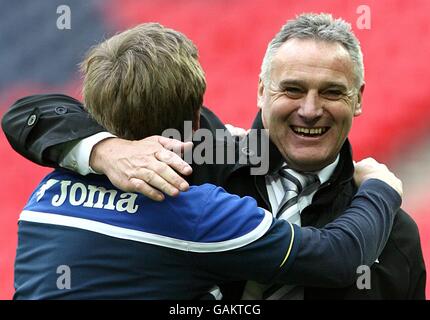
x: 232, y: 36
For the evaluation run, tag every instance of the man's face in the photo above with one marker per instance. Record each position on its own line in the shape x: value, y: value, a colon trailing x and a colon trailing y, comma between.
x: 309, y: 102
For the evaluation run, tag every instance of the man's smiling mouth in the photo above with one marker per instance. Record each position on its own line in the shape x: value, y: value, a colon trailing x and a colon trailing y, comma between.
x: 310, y: 132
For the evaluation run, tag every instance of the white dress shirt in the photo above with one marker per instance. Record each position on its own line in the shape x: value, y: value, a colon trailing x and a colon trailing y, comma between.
x: 76, y: 156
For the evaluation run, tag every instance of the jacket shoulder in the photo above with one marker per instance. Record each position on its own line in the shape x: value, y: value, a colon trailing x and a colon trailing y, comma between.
x: 405, y: 228
x: 406, y: 238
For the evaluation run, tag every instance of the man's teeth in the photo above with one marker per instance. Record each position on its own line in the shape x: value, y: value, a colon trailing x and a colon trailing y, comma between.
x: 309, y: 131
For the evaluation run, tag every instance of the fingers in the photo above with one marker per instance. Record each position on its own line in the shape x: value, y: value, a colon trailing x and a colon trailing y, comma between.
x: 175, y: 145
x: 162, y: 176
x: 140, y: 186
x: 174, y: 161
x: 136, y: 185
x: 173, y: 157
x: 148, y: 179
x: 188, y: 146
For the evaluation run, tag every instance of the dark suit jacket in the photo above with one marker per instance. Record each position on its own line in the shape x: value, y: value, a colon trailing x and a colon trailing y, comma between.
x: 36, y: 126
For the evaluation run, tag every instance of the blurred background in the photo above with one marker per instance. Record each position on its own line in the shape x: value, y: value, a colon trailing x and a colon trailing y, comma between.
x: 38, y: 57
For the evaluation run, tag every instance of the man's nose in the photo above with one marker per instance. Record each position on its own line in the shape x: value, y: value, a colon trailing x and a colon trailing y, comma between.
x: 310, y: 107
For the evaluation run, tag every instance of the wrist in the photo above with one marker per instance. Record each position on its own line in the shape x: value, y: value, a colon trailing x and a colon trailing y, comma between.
x: 102, y: 151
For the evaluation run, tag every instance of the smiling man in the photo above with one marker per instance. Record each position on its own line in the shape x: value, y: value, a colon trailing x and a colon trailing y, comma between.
x: 308, y: 96
x: 310, y: 89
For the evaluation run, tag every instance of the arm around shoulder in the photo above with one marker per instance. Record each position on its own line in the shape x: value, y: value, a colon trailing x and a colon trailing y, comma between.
x: 37, y: 126
x: 329, y: 257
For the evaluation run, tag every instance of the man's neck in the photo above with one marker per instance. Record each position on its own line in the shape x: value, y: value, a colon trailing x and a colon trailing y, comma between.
x: 325, y: 173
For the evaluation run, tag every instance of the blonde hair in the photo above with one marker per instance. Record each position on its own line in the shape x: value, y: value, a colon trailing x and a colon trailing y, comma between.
x: 143, y: 81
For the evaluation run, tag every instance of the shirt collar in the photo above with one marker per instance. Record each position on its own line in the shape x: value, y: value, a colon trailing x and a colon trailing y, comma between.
x: 325, y: 173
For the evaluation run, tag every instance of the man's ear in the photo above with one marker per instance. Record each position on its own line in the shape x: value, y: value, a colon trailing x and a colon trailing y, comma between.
x: 358, y: 108
x: 260, y: 93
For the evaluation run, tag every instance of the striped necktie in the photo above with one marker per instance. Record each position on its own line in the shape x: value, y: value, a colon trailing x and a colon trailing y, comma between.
x: 295, y: 185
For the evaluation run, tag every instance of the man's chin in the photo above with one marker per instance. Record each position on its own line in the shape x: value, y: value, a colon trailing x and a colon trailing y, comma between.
x: 307, y: 164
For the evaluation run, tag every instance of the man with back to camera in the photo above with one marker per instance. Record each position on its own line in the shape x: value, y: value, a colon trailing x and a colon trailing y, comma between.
x: 310, y: 88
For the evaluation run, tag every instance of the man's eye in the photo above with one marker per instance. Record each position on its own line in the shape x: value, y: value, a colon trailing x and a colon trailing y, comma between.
x: 332, y: 94
x: 294, y: 92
